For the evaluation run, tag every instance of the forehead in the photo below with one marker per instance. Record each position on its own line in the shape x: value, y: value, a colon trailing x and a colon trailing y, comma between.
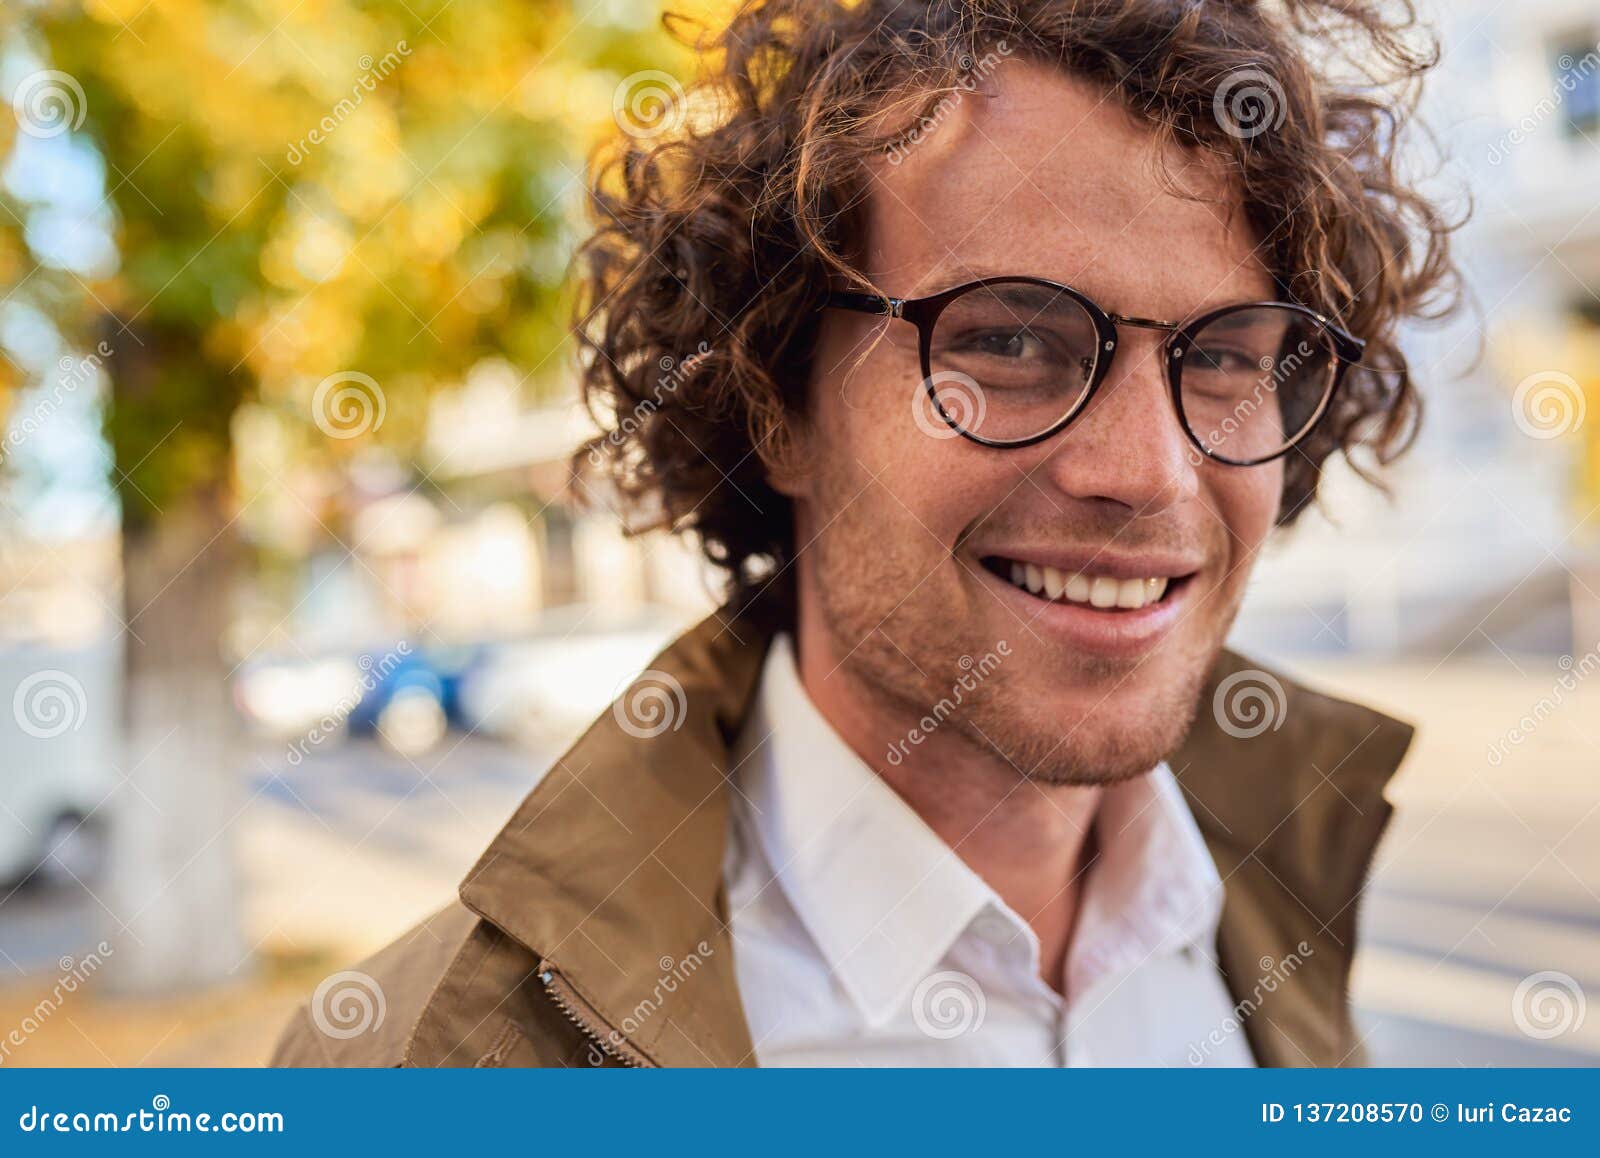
x: 1044, y: 174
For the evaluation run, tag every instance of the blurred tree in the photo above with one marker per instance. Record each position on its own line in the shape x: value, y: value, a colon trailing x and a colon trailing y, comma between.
x: 324, y: 210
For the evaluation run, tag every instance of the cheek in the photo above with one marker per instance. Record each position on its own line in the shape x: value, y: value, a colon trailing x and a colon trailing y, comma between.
x: 1248, y: 499
x: 870, y: 448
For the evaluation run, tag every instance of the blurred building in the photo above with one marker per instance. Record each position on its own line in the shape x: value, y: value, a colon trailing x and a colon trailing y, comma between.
x: 1490, y: 542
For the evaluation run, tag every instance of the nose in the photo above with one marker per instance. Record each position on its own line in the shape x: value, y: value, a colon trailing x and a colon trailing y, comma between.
x: 1127, y: 448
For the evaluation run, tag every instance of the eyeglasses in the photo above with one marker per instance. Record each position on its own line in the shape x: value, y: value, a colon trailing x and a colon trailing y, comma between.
x: 1010, y: 361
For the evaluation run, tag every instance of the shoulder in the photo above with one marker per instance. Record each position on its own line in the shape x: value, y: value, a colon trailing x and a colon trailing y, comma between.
x: 364, y: 1016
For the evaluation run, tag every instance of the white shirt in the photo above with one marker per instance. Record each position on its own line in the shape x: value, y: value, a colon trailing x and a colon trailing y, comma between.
x: 861, y: 938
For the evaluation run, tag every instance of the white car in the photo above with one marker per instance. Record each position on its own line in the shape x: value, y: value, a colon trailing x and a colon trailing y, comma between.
x: 58, y: 712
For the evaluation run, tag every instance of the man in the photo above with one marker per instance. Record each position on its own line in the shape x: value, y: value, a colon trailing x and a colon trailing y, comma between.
x: 1015, y: 331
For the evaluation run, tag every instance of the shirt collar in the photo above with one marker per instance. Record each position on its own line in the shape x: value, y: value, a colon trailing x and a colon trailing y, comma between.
x: 1153, y: 888
x: 884, y: 898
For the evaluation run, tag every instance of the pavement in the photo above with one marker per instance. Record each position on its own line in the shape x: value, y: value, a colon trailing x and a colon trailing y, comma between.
x: 1480, y: 925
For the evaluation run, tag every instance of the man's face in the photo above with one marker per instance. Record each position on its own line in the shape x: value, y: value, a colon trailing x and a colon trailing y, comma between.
x: 906, y: 541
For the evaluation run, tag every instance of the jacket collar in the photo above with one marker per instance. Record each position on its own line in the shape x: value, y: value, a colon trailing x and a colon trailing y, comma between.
x: 611, y: 869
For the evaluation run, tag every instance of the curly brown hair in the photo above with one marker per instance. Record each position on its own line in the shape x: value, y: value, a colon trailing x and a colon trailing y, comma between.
x: 714, y: 242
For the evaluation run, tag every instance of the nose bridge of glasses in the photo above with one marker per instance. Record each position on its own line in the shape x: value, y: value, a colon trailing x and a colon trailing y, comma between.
x: 1144, y: 323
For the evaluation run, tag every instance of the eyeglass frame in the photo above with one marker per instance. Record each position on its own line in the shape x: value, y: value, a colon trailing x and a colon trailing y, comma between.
x: 924, y: 313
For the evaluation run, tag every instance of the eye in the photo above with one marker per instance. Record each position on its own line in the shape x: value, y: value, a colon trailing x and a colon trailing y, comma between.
x: 1008, y: 344
x: 1224, y: 359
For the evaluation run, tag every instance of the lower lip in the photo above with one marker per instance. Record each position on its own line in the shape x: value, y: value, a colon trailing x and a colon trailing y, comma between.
x: 1113, y: 634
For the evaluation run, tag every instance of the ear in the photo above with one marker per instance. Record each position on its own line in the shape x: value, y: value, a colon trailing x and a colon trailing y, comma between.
x: 785, y: 454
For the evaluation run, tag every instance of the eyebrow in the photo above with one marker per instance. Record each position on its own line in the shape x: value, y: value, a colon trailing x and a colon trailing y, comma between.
x: 948, y: 275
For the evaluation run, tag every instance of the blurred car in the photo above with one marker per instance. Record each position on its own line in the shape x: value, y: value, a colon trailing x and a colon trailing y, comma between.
x: 407, y: 697
x: 56, y: 768
x: 417, y: 700
x: 543, y: 688
x: 532, y: 688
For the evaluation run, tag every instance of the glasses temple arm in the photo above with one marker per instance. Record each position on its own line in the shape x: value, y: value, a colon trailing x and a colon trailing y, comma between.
x: 865, y: 303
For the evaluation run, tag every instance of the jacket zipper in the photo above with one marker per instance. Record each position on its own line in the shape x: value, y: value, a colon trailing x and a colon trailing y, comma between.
x: 588, y: 1020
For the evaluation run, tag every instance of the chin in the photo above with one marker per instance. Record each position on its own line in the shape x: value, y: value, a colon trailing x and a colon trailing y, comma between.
x: 1098, y: 734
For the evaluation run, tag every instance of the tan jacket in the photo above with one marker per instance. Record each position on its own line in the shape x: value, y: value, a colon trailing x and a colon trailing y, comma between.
x: 593, y: 930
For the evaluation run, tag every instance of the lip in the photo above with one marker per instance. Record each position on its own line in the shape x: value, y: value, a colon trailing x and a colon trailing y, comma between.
x: 1110, y: 633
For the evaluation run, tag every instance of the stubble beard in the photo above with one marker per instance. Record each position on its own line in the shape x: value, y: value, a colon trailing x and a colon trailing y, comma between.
x: 907, y: 658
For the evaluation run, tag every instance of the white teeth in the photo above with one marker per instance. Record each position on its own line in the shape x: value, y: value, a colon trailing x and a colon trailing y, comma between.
x: 1099, y: 591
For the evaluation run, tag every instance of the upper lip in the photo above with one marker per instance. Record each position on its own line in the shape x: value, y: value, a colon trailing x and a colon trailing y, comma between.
x: 1112, y: 564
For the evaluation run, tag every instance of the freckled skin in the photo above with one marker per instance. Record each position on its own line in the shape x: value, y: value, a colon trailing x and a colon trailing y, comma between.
x: 1043, y: 176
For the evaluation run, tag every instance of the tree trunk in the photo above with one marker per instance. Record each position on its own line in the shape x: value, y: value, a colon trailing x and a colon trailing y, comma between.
x: 175, y: 887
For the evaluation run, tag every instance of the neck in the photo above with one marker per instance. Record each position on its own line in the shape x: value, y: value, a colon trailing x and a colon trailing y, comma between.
x: 1029, y: 841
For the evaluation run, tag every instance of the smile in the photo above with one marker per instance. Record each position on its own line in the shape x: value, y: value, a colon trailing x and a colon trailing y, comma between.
x: 1103, y: 592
